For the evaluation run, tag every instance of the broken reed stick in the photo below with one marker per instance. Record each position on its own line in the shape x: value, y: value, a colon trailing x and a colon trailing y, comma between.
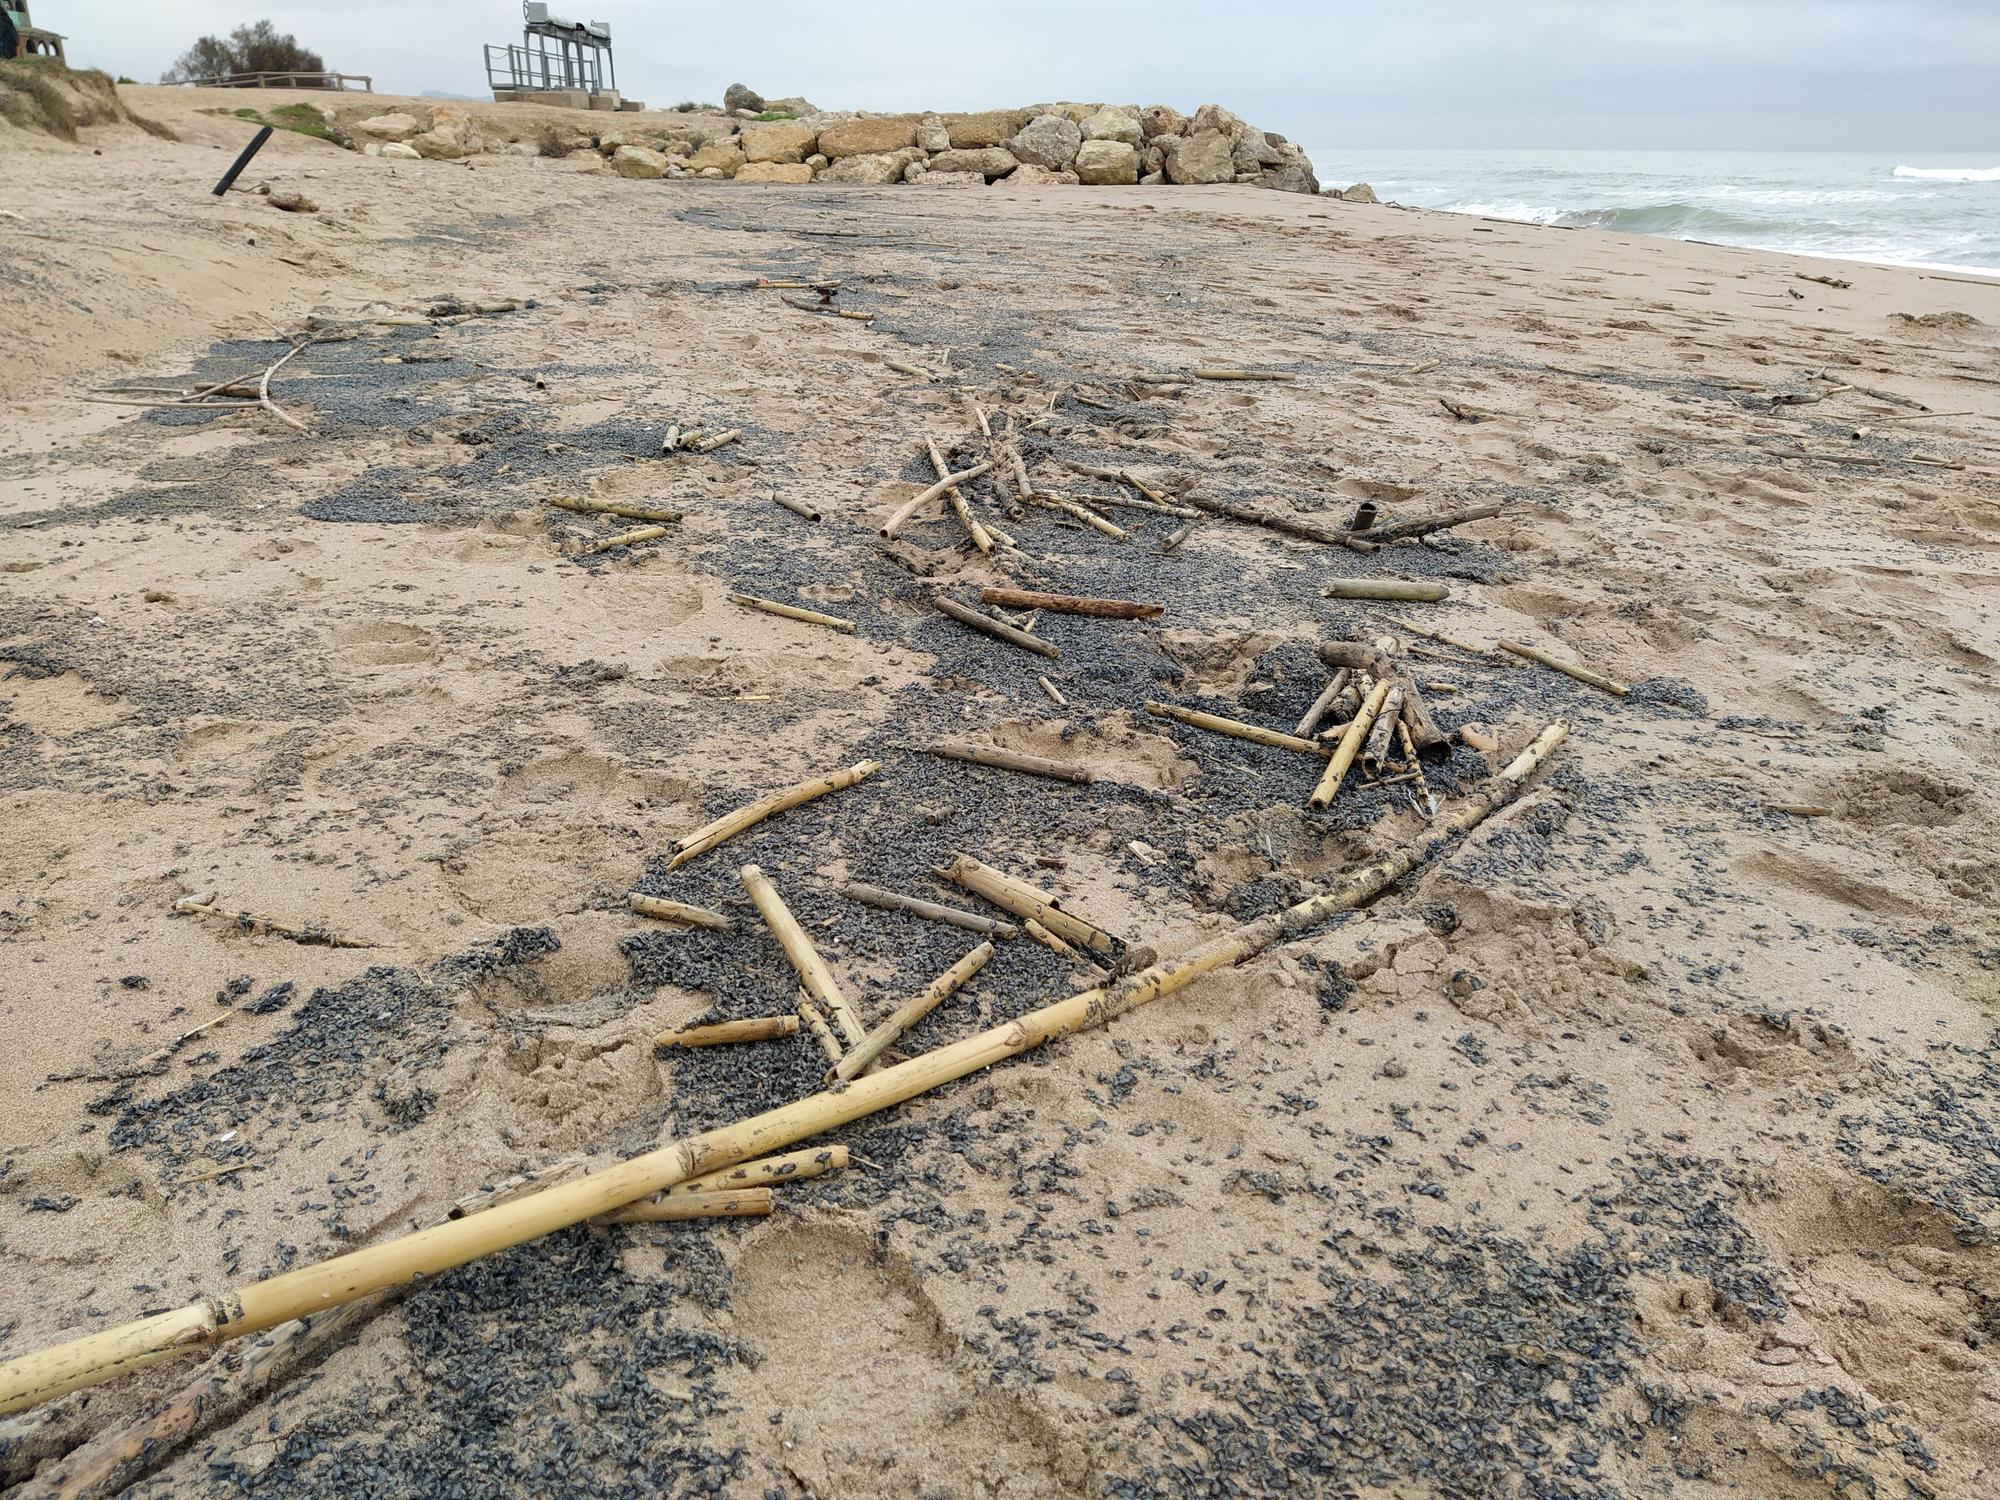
x: 1154, y: 500
x: 678, y: 911
x: 1286, y: 525
x: 767, y: 1171
x: 816, y: 1027
x: 981, y: 537
x: 1014, y: 760
x: 311, y: 936
x: 1568, y: 669
x: 1349, y: 747
x: 725, y: 1033
x: 1055, y: 693
x: 1243, y: 375
x: 729, y: 825
x: 1072, y: 604
x: 1257, y: 734
x: 310, y: 1291
x: 1800, y: 809
x: 1445, y: 640
x: 916, y: 906
x: 793, y: 612
x: 965, y: 614
x: 624, y: 539
x: 1173, y: 539
x: 741, y: 1203
x: 906, y: 1015
x: 812, y: 970
x: 915, y: 503
x: 1382, y: 737
x: 1323, y: 703
x: 796, y: 507
x: 1053, y: 943
x: 611, y: 508
x: 264, y: 388
x: 1019, y: 470
x: 1396, y: 531
x: 1411, y: 589
x: 710, y: 444
x: 1373, y: 660
x: 1082, y: 513
x: 1029, y: 902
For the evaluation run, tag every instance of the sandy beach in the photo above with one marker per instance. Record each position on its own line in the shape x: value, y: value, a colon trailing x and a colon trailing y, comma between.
x: 1642, y: 1145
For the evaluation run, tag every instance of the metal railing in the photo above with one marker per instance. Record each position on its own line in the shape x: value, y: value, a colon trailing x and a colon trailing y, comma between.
x: 285, y: 81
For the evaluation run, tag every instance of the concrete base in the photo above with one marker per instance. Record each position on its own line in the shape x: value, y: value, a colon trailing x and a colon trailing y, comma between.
x: 608, y: 100
x: 631, y: 106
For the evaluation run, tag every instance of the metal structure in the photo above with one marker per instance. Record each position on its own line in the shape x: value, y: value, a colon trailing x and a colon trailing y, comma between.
x: 554, y: 56
x: 285, y: 81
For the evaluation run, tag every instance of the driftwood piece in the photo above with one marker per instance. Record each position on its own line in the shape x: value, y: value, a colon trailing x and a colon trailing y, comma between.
x: 255, y: 922
x: 797, y: 507
x: 678, y: 911
x: 710, y: 444
x: 1054, y: 692
x: 1381, y: 739
x: 1014, y: 760
x: 1413, y: 589
x: 625, y: 539
x: 965, y: 614
x: 1349, y: 746
x: 1323, y: 704
x: 1287, y: 525
x: 906, y: 1015
x: 1567, y: 668
x: 813, y: 972
x: 1029, y: 902
x: 320, y: 1287
x: 729, y: 825
x: 1257, y: 734
x: 738, y: 1203
x: 793, y: 612
x: 1359, y: 657
x: 1082, y: 513
x: 725, y: 1033
x: 611, y: 508
x: 916, y: 906
x: 917, y: 502
x: 1214, y: 374
x: 1398, y: 531
x: 1072, y: 604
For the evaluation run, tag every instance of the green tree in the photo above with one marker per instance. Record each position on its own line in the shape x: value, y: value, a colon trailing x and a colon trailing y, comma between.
x: 248, y: 49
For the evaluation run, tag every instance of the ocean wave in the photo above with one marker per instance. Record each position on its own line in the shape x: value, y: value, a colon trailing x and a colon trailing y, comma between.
x: 1950, y: 174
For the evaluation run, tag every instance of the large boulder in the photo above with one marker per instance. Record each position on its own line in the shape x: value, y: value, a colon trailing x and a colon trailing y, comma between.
x: 1293, y: 173
x: 1161, y: 119
x: 637, y: 161
x: 793, y: 105
x: 1200, y: 158
x: 1113, y: 123
x: 402, y: 151
x: 1029, y: 175
x: 395, y: 126
x: 989, y: 162
x: 871, y: 169
x: 1215, y: 117
x: 721, y: 156
x: 952, y: 179
x: 932, y: 135
x: 774, y: 171
x: 738, y: 96
x: 1047, y: 141
x: 870, y: 136
x: 1253, y: 151
x: 1107, y: 162
x: 778, y: 141
x: 993, y: 127
x: 451, y: 136
x: 1361, y: 192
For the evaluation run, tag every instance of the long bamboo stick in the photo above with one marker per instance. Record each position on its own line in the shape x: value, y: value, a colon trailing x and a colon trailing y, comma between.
x: 1029, y: 902
x: 793, y: 612
x: 1014, y: 760
x: 906, y: 1015
x: 624, y: 539
x: 817, y: 1029
x: 729, y: 825
x: 722, y: 1033
x: 915, y: 503
x: 813, y: 973
x: 769, y: 1171
x: 609, y: 508
x: 1349, y: 747
x: 1256, y: 734
x: 916, y: 906
x: 1567, y: 668
x: 1072, y: 604
x: 1416, y: 590
x: 965, y: 614
x: 742, y: 1203
x: 95, y: 1358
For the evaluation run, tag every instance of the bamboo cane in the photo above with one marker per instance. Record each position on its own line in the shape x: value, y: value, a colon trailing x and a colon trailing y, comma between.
x: 678, y: 911
x: 722, y: 1033
x: 797, y: 507
x: 41, y: 1376
x: 970, y: 921
x: 1237, y: 729
x: 812, y: 970
x: 710, y: 444
x: 981, y: 537
x: 1568, y: 669
x: 625, y: 539
x: 1349, y: 747
x: 1323, y: 703
x: 1381, y: 739
x: 906, y: 1015
x: 1028, y: 902
x: 1054, y: 692
x: 742, y: 1203
x: 1084, y: 514
x: 793, y: 612
x: 1154, y: 500
x: 915, y: 503
x: 816, y: 1027
x: 1055, y: 944
x: 1243, y: 375
x: 965, y: 614
x: 1072, y: 604
x: 608, y: 508
x: 767, y: 1172
x: 1387, y: 588
x: 729, y: 825
x: 1014, y: 760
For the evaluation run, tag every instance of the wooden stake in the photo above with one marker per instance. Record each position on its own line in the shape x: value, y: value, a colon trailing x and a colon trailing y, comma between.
x: 729, y: 825
x: 1072, y: 604
x: 1568, y: 669
x: 1387, y: 588
x: 1014, y: 760
x: 625, y: 539
x: 742, y: 1203
x: 793, y: 612
x: 916, y: 906
x: 812, y: 970
x: 678, y: 911
x: 906, y: 1015
x: 965, y: 614
x: 725, y: 1033
x: 1323, y: 703
x: 1257, y: 734
x: 608, y: 508
x: 915, y: 503
x: 313, y: 1289
x: 1349, y: 747
x: 1028, y: 902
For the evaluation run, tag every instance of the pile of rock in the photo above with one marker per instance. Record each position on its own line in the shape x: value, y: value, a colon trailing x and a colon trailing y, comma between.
x: 1104, y: 144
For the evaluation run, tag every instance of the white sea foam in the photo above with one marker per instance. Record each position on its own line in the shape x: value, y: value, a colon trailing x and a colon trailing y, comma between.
x: 1950, y: 174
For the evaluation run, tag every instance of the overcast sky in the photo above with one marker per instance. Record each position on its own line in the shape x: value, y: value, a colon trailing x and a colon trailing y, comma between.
x: 1332, y: 74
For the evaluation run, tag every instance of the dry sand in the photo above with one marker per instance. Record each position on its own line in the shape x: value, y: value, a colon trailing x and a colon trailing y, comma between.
x: 1646, y: 1146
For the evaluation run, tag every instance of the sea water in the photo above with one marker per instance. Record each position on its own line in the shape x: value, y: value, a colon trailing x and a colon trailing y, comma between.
x: 1911, y: 208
